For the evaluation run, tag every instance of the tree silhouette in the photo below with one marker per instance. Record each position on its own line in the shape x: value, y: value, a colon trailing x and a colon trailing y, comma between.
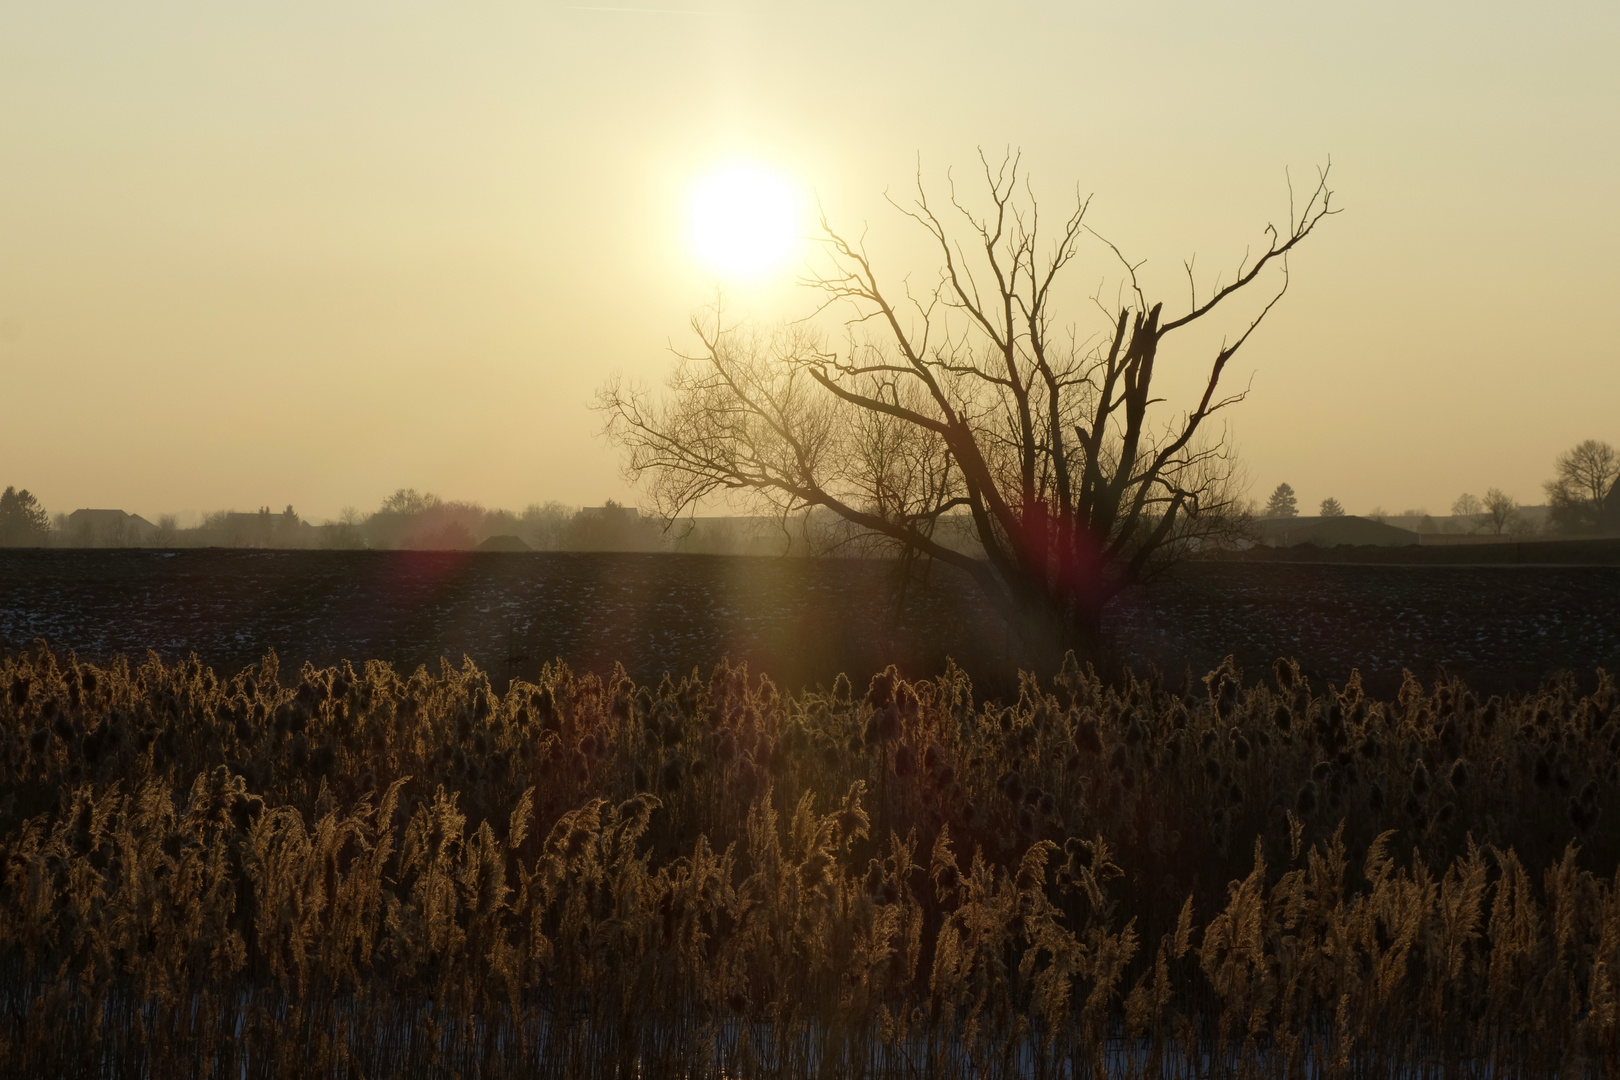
x: 23, y: 522
x: 409, y: 501
x: 1331, y: 507
x: 1581, y: 497
x: 977, y: 397
x: 1500, y: 511
x: 1282, y: 503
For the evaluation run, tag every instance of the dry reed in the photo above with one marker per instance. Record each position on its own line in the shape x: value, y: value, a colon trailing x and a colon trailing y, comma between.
x: 367, y: 874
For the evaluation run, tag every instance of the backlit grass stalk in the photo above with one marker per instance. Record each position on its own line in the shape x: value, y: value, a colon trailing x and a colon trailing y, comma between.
x: 368, y: 873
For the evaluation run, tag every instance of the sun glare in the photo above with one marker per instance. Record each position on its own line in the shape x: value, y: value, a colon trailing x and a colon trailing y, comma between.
x: 744, y: 220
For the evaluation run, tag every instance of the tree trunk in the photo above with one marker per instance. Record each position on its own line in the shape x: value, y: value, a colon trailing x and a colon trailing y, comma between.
x: 1050, y: 627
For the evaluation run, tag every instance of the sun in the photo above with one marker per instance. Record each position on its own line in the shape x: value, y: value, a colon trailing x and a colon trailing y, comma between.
x: 744, y: 220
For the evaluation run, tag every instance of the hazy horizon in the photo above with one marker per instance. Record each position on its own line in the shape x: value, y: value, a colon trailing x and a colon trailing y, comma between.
x: 189, y: 518
x: 309, y: 255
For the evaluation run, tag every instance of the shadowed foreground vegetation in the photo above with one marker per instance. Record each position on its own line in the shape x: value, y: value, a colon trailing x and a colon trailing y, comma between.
x: 366, y: 873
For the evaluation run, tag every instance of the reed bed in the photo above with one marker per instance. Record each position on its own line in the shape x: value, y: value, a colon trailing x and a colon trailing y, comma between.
x: 367, y: 873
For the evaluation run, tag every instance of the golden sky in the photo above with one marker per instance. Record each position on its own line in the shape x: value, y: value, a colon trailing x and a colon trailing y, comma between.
x: 310, y: 252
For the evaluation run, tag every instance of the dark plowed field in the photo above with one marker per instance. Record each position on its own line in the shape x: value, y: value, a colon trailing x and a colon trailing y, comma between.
x: 1501, y: 627
x: 803, y: 621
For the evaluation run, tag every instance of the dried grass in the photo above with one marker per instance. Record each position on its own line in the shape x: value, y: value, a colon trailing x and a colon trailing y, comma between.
x: 372, y: 874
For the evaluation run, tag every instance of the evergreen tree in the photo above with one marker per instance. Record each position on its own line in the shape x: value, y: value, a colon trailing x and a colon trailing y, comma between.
x: 1282, y: 503
x: 22, y: 520
x: 1331, y: 507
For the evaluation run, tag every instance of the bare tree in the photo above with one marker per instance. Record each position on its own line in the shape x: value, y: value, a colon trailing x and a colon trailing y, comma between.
x: 1500, y: 511
x: 344, y: 534
x: 410, y: 502
x: 1581, y: 498
x: 543, y: 526
x: 1469, y: 510
x: 167, y: 534
x: 974, y: 400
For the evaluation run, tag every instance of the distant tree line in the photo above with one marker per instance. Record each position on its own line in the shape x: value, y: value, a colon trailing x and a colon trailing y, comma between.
x: 1581, y: 501
x: 407, y: 519
x: 416, y: 520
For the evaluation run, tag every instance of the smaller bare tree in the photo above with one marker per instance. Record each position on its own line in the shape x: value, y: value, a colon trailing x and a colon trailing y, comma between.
x: 168, y: 531
x: 1500, y: 512
x: 1467, y: 509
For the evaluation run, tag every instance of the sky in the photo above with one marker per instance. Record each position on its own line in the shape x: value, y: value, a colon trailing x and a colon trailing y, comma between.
x: 307, y: 253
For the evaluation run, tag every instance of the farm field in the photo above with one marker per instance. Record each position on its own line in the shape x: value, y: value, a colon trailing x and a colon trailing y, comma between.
x: 1498, y: 627
x: 510, y: 613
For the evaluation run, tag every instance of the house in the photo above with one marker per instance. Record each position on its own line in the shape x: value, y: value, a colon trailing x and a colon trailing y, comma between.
x: 264, y: 529
x: 1333, y: 531
x: 612, y: 528
x: 108, y: 528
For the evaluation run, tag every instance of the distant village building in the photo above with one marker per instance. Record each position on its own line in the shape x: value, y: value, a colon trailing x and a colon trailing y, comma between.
x: 1333, y: 531
x: 266, y: 529
x: 613, y: 528
x: 108, y: 528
